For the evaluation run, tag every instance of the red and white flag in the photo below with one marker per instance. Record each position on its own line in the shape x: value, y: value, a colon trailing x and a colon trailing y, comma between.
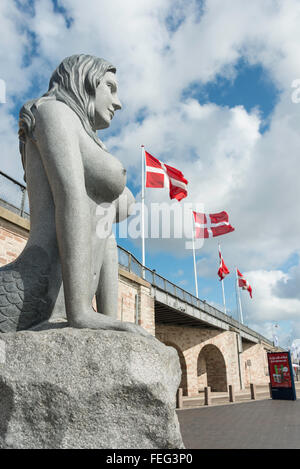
x: 159, y: 175
x: 243, y: 283
x: 223, y: 270
x: 211, y: 225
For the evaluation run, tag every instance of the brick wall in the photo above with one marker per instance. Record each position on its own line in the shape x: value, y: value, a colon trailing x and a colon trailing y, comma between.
x: 11, y: 246
x: 191, y: 342
x: 127, y: 299
x: 257, y: 372
x: 14, y: 232
x: 135, y: 301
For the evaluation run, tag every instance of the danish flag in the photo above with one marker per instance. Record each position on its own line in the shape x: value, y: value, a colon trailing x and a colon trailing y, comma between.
x: 243, y: 283
x: 211, y: 225
x: 159, y: 175
x: 223, y: 270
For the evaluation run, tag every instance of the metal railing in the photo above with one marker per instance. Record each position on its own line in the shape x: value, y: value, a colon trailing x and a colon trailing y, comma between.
x: 13, y: 195
x: 130, y: 263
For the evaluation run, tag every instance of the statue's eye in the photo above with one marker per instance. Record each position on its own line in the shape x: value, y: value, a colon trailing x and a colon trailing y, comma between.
x: 112, y: 87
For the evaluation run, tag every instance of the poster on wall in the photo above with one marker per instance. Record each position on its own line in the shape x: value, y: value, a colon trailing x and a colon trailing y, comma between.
x: 281, y: 376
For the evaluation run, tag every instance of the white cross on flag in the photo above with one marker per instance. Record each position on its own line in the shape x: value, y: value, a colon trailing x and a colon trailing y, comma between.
x: 211, y: 225
x: 223, y: 270
x: 243, y: 283
x: 160, y: 175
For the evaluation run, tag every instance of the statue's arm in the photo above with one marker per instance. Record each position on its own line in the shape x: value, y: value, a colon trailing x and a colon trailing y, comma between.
x: 57, y: 141
x: 107, y: 291
x: 124, y: 205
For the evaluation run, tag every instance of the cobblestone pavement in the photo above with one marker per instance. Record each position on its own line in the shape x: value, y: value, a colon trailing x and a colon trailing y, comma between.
x: 267, y: 424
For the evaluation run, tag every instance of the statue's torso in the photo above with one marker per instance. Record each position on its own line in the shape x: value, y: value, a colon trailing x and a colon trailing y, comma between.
x: 105, y: 176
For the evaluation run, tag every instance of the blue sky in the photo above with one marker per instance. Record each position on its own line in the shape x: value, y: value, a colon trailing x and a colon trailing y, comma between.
x: 250, y: 87
x: 206, y: 87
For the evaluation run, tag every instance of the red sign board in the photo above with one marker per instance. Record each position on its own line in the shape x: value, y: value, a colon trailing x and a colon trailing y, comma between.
x: 280, y: 371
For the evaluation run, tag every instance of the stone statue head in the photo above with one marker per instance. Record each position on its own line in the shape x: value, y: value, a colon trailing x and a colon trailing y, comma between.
x: 74, y: 83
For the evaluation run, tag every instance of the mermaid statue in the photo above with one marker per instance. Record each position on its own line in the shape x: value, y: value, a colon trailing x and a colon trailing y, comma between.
x: 69, y: 173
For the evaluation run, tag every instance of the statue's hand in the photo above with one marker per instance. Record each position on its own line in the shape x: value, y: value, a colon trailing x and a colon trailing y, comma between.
x: 124, y: 205
x: 94, y: 320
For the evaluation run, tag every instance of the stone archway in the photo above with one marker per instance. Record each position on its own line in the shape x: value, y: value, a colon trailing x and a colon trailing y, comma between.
x: 211, y: 369
x: 183, y: 382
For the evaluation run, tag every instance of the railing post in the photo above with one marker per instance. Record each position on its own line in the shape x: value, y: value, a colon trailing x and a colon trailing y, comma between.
x: 122, y: 308
x: 153, y: 277
x: 179, y: 398
x: 231, y: 393
x: 136, y: 309
x: 207, y: 395
x: 23, y: 201
x: 253, y: 391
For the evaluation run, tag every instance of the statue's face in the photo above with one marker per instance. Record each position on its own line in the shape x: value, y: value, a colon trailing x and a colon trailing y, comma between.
x: 107, y: 101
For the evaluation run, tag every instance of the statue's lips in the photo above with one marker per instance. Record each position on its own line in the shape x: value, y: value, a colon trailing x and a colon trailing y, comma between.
x: 111, y: 113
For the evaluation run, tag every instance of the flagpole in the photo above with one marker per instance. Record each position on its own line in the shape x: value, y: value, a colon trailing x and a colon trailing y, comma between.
x: 239, y: 338
x: 194, y: 256
x: 239, y: 297
x: 236, y: 295
x: 143, y: 209
x: 223, y: 291
x: 222, y: 281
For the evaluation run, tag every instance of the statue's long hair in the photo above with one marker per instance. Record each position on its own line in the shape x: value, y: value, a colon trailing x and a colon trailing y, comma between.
x: 74, y: 82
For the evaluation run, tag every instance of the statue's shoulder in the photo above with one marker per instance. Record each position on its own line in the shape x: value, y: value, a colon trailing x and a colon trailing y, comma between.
x: 50, y: 111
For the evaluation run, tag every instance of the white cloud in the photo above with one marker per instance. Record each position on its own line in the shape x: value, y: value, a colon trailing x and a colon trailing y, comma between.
x: 288, y: 287
x: 275, y: 302
x: 268, y: 305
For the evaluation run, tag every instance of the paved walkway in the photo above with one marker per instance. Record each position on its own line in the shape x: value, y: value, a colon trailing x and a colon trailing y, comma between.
x: 267, y: 424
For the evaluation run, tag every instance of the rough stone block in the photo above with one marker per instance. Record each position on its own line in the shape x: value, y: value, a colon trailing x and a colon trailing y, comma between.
x: 72, y: 388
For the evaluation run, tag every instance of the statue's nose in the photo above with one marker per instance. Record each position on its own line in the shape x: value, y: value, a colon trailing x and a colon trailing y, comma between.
x: 117, y: 104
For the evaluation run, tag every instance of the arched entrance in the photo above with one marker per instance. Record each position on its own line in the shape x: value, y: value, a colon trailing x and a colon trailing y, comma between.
x: 183, y: 382
x: 211, y: 369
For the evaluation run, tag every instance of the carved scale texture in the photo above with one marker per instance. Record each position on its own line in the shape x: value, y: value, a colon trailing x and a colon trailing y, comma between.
x: 23, y: 295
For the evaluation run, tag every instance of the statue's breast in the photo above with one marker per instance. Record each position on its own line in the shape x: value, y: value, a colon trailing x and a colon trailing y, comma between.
x: 105, y: 176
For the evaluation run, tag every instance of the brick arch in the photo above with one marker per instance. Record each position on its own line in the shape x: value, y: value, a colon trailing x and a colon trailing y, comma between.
x: 211, y: 362
x: 183, y: 382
